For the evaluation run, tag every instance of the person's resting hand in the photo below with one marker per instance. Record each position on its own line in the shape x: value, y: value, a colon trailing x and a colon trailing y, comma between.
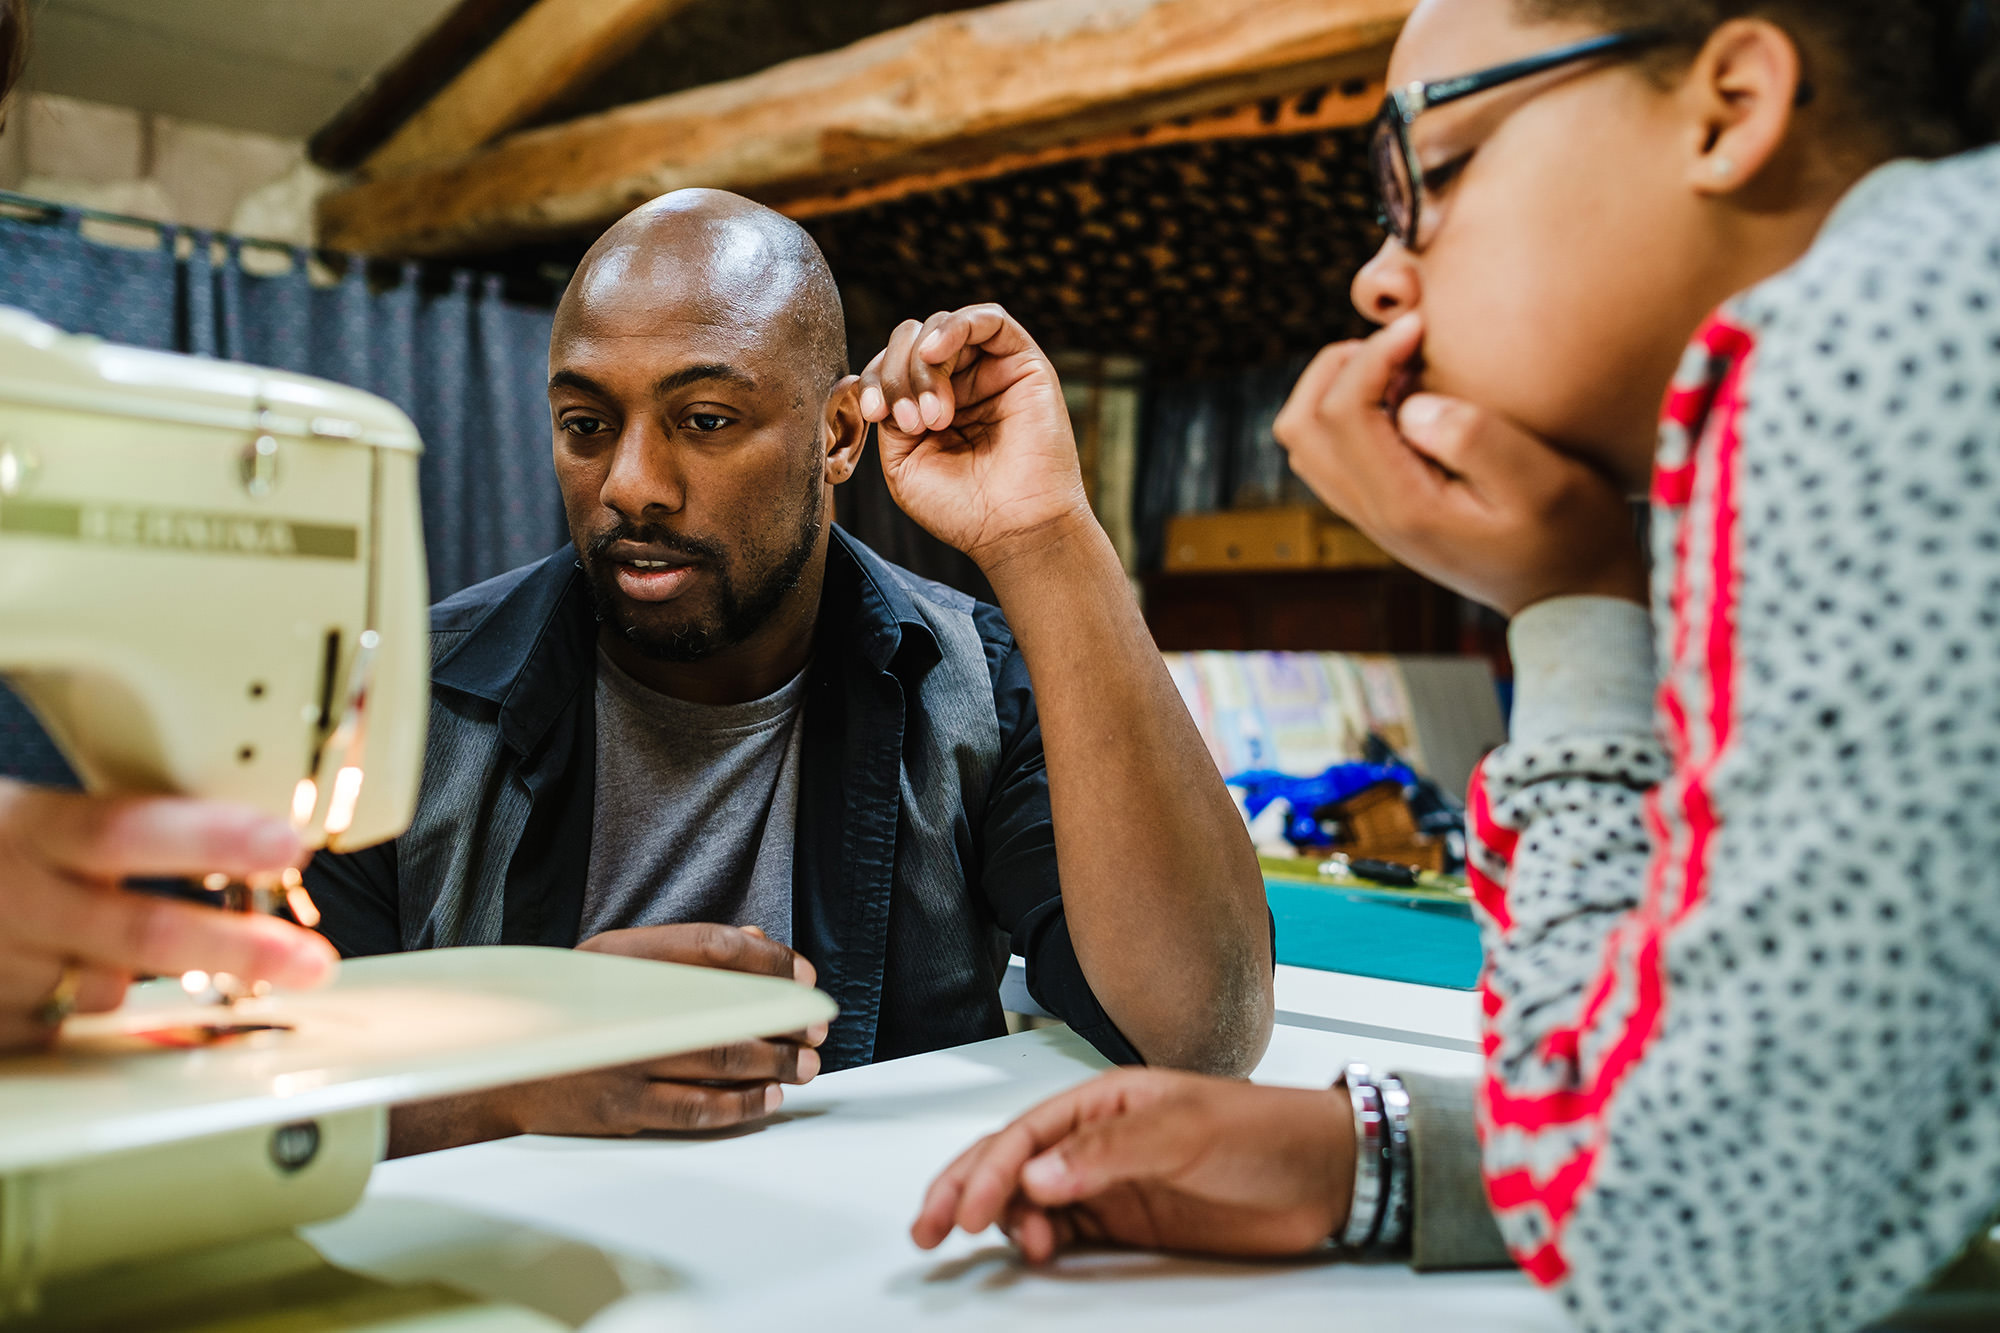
x: 1157, y: 1160
x: 705, y: 1090
x: 62, y: 857
x: 975, y: 438
x: 1454, y: 492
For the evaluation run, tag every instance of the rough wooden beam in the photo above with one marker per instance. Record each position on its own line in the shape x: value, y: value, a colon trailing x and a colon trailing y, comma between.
x: 547, y: 52
x: 1012, y: 78
x: 418, y: 75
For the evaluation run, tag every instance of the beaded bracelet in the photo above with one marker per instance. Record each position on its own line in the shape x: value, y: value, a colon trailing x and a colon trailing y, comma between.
x: 1364, y: 1214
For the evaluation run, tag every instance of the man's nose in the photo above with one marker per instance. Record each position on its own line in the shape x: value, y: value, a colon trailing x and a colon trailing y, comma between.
x: 645, y: 474
x: 1387, y: 287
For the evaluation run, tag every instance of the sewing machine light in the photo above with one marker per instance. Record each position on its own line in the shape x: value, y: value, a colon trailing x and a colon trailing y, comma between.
x: 305, y: 797
x: 346, y: 795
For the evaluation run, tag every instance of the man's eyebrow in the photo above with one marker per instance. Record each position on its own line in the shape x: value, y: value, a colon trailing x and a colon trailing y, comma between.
x: 573, y: 379
x: 681, y: 379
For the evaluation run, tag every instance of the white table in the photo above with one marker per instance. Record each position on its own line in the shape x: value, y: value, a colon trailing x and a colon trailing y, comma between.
x: 803, y: 1223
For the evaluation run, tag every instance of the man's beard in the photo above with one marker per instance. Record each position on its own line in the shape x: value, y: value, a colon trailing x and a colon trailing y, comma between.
x: 739, y: 612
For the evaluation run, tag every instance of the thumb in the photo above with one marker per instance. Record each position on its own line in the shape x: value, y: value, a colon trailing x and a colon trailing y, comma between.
x: 1145, y: 1146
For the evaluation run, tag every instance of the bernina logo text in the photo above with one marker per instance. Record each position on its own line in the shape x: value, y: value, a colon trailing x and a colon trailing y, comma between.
x: 180, y: 530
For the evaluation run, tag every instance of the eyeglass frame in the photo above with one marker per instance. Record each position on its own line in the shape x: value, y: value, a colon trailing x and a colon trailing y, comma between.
x: 1402, y: 107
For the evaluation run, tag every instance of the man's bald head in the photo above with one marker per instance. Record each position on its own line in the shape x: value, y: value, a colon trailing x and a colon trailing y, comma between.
x: 720, y: 258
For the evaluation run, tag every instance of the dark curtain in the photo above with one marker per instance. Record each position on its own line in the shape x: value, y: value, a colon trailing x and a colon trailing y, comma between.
x: 447, y: 346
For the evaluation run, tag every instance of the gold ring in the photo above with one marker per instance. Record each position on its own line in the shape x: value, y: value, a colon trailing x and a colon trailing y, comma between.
x: 62, y: 1000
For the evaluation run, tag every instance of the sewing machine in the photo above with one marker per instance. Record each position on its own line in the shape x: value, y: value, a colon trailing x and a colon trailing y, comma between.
x: 212, y: 583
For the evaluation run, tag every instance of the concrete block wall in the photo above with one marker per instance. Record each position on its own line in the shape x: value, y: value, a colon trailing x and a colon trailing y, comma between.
x: 96, y: 155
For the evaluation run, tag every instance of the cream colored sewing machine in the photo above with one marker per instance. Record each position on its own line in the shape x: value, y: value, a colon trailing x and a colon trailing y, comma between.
x: 212, y: 583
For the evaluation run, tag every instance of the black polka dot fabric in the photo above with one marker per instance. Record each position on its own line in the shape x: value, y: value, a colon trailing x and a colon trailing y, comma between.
x: 1744, y: 990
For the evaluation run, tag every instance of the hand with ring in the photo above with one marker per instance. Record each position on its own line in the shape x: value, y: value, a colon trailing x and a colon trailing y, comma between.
x: 71, y: 939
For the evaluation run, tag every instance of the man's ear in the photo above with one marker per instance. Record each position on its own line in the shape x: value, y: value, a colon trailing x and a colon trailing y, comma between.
x: 844, y: 432
x: 1745, y: 88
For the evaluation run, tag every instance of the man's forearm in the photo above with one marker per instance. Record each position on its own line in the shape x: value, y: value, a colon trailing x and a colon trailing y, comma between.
x: 1161, y: 889
x: 448, y: 1122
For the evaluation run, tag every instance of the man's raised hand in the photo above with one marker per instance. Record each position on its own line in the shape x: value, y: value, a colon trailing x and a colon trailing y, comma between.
x: 975, y: 437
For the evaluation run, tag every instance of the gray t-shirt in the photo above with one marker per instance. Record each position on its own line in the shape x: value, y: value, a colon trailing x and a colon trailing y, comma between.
x: 696, y: 809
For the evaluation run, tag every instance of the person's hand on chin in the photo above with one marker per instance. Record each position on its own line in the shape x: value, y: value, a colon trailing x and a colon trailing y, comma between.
x: 1451, y: 490
x: 1161, y: 1161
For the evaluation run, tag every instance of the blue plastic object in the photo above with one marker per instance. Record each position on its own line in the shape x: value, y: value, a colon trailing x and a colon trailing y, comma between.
x: 1308, y: 796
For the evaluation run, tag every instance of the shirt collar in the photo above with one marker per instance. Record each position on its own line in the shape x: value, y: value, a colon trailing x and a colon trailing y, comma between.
x: 537, y: 645
x: 1869, y: 193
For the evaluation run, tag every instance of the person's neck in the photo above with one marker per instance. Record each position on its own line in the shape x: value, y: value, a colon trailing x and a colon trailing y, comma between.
x: 755, y: 668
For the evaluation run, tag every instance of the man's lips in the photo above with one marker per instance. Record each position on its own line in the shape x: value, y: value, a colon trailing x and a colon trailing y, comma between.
x: 650, y: 575
x: 1407, y: 381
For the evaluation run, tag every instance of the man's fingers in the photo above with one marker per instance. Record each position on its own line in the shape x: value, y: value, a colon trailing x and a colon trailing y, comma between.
x: 741, y: 1062
x: 701, y: 944
x: 987, y: 327
x: 129, y: 932
x: 932, y: 384
x: 104, y: 838
x: 1032, y: 1230
x: 689, y: 1107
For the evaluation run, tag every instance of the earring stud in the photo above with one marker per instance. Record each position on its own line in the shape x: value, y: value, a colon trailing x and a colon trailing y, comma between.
x: 1723, y: 168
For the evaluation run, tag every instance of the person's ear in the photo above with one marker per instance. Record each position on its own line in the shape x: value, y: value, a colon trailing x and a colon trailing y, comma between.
x: 844, y: 432
x: 1745, y: 88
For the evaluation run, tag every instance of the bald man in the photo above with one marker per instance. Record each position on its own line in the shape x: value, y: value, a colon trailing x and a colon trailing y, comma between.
x: 721, y: 731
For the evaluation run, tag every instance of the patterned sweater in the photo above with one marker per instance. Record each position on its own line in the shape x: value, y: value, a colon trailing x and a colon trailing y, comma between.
x: 1739, y: 865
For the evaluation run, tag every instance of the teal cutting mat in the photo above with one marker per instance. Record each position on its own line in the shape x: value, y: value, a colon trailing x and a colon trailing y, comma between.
x: 1368, y: 934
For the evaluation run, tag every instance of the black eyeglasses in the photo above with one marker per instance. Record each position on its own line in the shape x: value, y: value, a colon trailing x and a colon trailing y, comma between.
x: 1399, y: 177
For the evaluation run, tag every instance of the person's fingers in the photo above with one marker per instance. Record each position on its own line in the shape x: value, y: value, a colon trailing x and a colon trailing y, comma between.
x: 1302, y: 405
x: 938, y: 1213
x: 895, y: 378
x: 1149, y: 1144
x: 117, y: 838
x: 988, y: 327
x: 130, y: 932
x: 700, y: 944
x: 1364, y: 382
x: 29, y: 978
x: 740, y: 1062
x: 932, y: 383
x: 874, y: 404
x: 689, y: 1107
x: 1031, y: 1229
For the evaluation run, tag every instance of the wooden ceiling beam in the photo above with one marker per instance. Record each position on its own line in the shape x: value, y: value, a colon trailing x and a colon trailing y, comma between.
x: 547, y: 52
x: 1015, y: 78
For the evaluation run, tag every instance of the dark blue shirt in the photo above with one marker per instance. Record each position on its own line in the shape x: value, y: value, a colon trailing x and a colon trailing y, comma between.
x: 925, y: 851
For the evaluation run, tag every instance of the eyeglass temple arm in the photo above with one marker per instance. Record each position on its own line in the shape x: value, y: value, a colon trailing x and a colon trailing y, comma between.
x: 1419, y: 97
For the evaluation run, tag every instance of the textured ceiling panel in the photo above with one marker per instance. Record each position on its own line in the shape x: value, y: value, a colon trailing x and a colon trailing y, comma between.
x: 1209, y: 255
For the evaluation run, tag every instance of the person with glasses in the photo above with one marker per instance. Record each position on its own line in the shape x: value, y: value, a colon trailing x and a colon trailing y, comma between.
x: 1739, y: 865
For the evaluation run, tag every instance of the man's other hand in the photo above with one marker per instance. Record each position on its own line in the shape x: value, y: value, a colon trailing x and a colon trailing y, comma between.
x: 62, y: 856
x: 713, y: 1089
x: 1161, y: 1161
x: 975, y: 437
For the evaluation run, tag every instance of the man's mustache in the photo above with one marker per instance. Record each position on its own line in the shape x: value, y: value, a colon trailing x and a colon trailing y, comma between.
x: 694, y: 550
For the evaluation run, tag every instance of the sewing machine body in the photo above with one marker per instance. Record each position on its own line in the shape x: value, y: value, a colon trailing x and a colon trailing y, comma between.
x: 212, y: 580
x: 212, y: 584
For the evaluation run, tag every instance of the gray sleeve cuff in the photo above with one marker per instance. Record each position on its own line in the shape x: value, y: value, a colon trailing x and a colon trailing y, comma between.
x: 1582, y: 666
x: 1451, y: 1225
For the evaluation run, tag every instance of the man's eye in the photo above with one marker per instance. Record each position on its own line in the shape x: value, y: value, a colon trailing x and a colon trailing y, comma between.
x: 583, y: 427
x: 706, y: 422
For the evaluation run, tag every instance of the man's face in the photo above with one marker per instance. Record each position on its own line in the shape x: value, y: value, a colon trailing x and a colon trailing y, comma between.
x: 688, y: 448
